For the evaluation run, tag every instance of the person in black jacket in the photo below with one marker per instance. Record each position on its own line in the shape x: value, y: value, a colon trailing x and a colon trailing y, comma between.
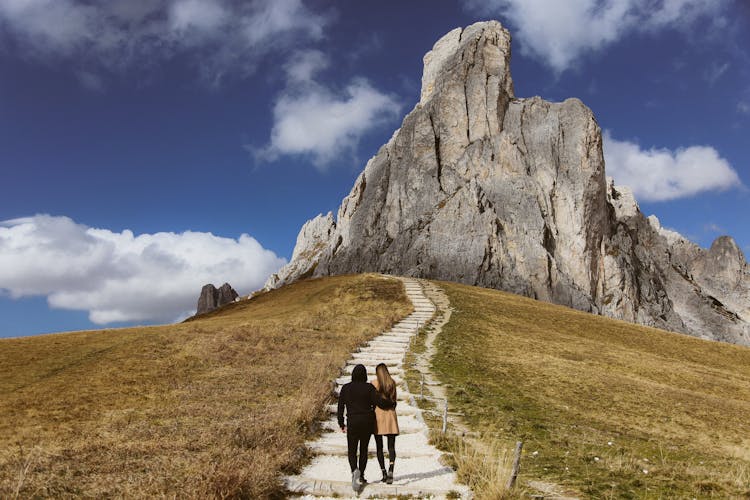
x: 359, y: 397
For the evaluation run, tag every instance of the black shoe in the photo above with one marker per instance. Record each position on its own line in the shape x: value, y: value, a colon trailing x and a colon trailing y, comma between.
x: 363, y: 480
x: 355, y: 480
x: 385, y: 476
x: 390, y: 475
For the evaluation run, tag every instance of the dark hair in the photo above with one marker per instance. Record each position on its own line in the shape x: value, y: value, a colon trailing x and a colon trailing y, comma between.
x: 359, y: 374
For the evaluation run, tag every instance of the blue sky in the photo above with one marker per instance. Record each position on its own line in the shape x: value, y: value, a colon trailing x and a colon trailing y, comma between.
x: 150, y: 146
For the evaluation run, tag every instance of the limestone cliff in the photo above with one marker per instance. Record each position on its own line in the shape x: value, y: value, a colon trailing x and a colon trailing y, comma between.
x: 481, y: 187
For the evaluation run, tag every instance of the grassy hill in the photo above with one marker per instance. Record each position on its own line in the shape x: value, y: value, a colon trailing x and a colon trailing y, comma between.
x: 221, y: 405
x: 605, y: 408
x: 214, y: 407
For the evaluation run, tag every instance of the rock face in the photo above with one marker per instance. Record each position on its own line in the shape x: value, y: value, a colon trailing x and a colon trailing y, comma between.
x: 483, y: 188
x: 212, y: 298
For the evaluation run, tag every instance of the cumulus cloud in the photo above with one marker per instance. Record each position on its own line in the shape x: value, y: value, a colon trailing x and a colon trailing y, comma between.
x: 310, y: 119
x: 661, y: 175
x: 121, y: 276
x: 220, y: 36
x: 201, y: 15
x: 559, y: 33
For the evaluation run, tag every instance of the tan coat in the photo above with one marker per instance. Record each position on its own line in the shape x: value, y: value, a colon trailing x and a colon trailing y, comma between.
x: 386, y: 421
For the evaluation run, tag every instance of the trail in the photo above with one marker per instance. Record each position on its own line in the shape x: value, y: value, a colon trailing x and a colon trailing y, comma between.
x: 419, y: 471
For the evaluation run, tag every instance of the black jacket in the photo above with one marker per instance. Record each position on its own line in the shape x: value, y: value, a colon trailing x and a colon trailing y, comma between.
x: 360, y: 399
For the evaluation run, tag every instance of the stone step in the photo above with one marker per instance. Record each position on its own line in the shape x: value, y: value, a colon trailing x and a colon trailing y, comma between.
x: 410, y: 326
x: 392, y: 340
x: 380, y: 358
x: 382, y: 350
x: 366, y: 359
x: 388, y: 343
x: 395, y: 337
x: 418, y: 477
x: 340, y: 449
x: 392, y: 369
x: 403, y: 331
x: 399, y: 334
x: 407, y: 424
x: 373, y: 361
x: 407, y: 445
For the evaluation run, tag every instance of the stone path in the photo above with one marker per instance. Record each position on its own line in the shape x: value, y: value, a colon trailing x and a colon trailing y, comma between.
x: 419, y: 472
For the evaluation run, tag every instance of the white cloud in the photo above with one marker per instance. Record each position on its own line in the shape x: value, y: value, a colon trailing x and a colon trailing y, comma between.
x: 120, y: 276
x: 220, y: 36
x: 310, y: 119
x: 743, y: 107
x: 304, y: 65
x: 269, y: 18
x: 661, y: 174
x: 714, y: 73
x: 202, y: 15
x: 560, y: 32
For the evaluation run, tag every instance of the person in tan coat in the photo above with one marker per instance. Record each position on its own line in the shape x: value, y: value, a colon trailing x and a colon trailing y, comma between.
x: 386, y: 422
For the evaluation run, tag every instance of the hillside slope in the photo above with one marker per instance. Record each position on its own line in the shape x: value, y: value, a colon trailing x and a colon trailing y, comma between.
x: 605, y: 408
x: 215, y: 407
x: 222, y: 405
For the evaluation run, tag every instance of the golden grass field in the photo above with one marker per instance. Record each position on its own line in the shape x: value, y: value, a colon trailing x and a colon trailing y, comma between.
x: 220, y: 406
x: 606, y: 409
x: 215, y: 407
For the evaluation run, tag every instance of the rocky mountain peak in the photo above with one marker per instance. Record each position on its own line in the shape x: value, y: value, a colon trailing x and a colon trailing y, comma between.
x: 449, y: 51
x: 724, y: 248
x: 212, y: 298
x: 724, y: 264
x: 481, y: 187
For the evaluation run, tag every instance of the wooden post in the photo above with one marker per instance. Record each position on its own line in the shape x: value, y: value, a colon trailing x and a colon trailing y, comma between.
x: 445, y: 417
x: 516, y: 465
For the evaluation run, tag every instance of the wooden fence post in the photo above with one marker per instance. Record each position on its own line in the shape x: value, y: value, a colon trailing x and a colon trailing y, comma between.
x: 516, y: 465
x: 445, y: 417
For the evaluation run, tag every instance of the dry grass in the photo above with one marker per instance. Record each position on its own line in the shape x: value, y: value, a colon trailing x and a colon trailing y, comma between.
x: 605, y: 408
x: 483, y: 464
x: 216, y: 407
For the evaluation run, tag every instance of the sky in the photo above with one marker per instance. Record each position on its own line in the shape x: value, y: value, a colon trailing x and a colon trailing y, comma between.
x: 148, y: 147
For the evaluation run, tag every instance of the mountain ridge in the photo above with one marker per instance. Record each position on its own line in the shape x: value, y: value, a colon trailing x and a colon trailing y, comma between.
x: 481, y: 187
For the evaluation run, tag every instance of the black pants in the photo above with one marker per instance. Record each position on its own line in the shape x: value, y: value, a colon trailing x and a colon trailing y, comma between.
x: 358, y: 432
x: 391, y: 448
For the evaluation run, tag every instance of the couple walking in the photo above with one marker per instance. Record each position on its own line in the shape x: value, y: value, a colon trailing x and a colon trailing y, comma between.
x: 370, y: 409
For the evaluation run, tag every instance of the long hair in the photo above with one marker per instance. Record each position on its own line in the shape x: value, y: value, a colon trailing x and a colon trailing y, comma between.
x: 386, y: 385
x: 359, y: 374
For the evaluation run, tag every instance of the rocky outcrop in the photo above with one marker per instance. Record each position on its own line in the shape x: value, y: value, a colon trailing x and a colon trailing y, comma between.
x: 481, y: 187
x: 212, y: 297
